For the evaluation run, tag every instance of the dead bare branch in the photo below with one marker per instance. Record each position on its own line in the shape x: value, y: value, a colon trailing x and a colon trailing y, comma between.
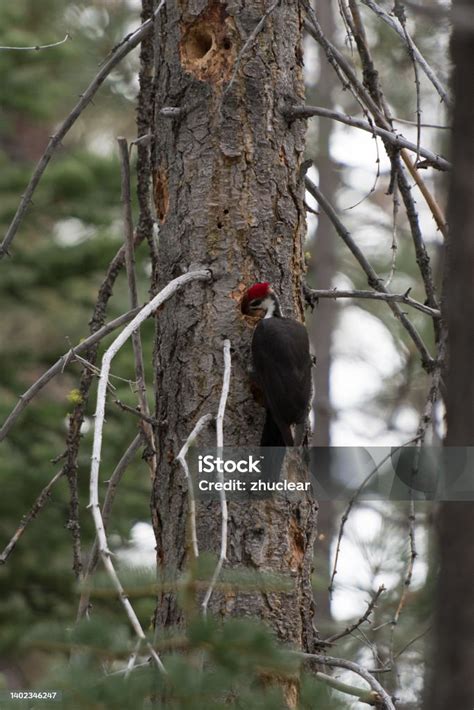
x: 367, y: 102
x: 112, y: 350
x: 351, y: 503
x: 133, y: 292
x: 365, y: 617
x: 38, y: 505
x: 38, y: 47
x: 312, y: 295
x: 395, y: 139
x: 372, y: 278
x: 394, y: 23
x: 59, y: 367
x: 136, y: 412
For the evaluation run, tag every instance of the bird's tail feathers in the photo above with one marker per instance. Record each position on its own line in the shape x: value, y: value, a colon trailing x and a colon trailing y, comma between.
x: 274, y: 434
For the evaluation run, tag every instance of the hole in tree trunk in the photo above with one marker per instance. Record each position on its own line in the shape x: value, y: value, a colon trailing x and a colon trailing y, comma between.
x: 198, y: 44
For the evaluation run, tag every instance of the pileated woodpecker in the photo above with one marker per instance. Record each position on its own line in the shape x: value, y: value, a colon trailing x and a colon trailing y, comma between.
x: 281, y: 367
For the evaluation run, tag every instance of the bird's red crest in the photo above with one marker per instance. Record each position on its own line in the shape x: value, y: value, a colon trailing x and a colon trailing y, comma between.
x: 259, y: 290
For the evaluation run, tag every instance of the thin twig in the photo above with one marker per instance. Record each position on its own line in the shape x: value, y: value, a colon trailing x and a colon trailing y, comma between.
x: 395, y: 25
x: 337, y: 60
x: 372, y: 277
x: 434, y: 391
x: 434, y: 207
x: 395, y: 119
x: 133, y: 294
x: 181, y: 457
x: 426, y: 419
x: 120, y: 52
x: 112, y: 350
x: 422, y: 256
x: 136, y: 412
x: 365, y: 617
x: 394, y: 245
x: 220, y: 475
x: 312, y: 295
x: 399, y: 12
x: 393, y: 138
x: 38, y: 47
x: 343, y: 68
x: 408, y: 576
x: 59, y: 367
x: 39, y: 503
x: 411, y: 642
x: 350, y: 505
x: 340, y: 64
x: 398, y: 175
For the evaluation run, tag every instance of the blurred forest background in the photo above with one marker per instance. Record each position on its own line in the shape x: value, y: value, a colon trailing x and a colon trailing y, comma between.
x: 371, y: 388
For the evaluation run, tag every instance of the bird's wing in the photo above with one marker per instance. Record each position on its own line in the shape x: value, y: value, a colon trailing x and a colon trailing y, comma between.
x: 280, y: 350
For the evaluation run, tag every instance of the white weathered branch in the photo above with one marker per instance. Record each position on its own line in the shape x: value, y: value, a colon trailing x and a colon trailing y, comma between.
x: 112, y: 486
x: 364, y: 695
x: 38, y: 47
x: 355, y: 668
x: 220, y: 475
x: 110, y: 353
x: 181, y: 457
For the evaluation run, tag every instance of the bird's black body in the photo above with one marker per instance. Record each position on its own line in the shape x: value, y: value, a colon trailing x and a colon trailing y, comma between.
x: 282, y: 369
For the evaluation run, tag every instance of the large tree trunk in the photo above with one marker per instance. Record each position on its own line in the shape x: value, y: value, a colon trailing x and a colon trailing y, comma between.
x: 324, y: 246
x: 228, y: 195
x: 452, y: 684
x: 324, y: 317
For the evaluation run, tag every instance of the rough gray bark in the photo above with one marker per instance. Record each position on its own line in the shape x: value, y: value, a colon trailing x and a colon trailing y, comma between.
x: 228, y: 195
x: 452, y: 681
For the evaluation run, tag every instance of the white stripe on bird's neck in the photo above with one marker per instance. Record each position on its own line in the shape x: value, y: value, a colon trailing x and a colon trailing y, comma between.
x: 270, y: 306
